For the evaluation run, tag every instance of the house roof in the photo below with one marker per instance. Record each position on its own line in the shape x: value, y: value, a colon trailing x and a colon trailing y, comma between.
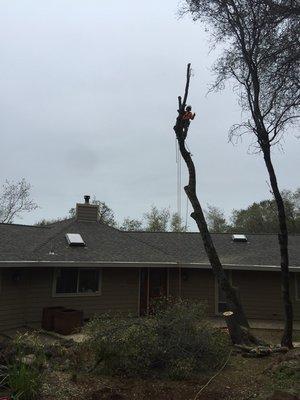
x: 103, y: 243
x: 260, y: 249
x: 21, y: 243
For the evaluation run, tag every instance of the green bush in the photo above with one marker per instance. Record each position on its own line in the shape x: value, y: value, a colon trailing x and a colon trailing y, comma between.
x: 176, y: 342
x: 24, y: 381
x: 23, y: 373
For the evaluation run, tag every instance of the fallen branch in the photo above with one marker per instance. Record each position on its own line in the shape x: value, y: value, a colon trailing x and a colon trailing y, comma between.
x: 260, y: 351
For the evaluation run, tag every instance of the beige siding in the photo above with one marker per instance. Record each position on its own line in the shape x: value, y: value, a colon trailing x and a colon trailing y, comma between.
x: 260, y: 293
x: 23, y: 302
x: 199, y: 285
x: 12, y: 298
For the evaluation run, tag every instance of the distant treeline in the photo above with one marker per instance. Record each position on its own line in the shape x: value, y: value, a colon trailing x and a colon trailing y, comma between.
x: 258, y: 217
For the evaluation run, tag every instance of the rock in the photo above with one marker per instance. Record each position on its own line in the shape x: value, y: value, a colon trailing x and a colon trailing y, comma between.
x: 29, y: 359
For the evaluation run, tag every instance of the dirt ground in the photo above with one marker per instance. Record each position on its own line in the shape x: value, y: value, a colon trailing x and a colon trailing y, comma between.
x: 276, y: 377
x: 242, y: 379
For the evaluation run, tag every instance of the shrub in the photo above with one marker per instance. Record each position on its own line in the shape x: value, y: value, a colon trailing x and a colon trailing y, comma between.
x: 23, y: 372
x: 176, y: 342
x: 24, y: 381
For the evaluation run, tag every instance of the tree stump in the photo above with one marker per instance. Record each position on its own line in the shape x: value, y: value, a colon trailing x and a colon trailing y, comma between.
x: 234, y: 329
x: 240, y: 334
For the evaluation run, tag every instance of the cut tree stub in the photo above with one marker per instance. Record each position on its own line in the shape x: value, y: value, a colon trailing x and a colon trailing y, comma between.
x: 227, y: 313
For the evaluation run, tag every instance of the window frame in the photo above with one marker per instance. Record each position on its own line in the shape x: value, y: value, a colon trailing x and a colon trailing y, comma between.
x: 297, y: 285
x: 77, y: 294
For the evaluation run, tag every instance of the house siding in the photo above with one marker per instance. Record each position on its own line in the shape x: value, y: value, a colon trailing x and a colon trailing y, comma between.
x: 199, y: 285
x: 260, y: 291
x: 23, y: 302
x: 12, y: 298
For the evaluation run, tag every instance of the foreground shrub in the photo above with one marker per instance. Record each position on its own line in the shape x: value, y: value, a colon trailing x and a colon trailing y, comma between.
x: 176, y: 341
x: 24, y: 381
x: 23, y: 372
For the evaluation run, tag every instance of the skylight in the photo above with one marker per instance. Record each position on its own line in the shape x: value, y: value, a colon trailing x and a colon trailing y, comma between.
x: 239, y: 238
x: 74, y: 239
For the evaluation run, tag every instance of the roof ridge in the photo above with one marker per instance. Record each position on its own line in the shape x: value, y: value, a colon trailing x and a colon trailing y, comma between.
x: 25, y: 225
x: 212, y: 233
x: 40, y: 245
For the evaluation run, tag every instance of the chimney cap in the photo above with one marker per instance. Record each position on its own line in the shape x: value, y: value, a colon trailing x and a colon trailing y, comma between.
x: 87, y: 199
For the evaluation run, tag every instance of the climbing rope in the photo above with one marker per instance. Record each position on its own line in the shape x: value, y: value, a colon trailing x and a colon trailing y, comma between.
x: 178, y: 162
x: 186, y: 212
x: 214, y: 376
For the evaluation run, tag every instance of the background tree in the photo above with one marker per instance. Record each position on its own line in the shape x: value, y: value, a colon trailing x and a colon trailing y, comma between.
x: 262, y: 56
x: 156, y: 220
x: 131, y: 225
x: 176, y: 223
x: 45, y: 222
x: 216, y: 220
x: 284, y: 8
x: 162, y: 220
x: 15, y: 199
x: 262, y: 217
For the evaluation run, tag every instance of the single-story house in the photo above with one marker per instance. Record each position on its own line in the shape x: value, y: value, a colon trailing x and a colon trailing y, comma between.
x: 84, y: 264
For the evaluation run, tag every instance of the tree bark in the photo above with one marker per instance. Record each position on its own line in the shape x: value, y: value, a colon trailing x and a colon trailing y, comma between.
x: 287, y: 338
x: 232, y: 299
x: 239, y: 335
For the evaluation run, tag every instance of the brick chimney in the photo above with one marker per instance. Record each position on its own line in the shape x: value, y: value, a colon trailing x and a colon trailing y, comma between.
x: 86, y: 211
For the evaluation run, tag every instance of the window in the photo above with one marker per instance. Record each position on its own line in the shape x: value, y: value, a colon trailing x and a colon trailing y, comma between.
x: 77, y: 281
x: 297, y: 289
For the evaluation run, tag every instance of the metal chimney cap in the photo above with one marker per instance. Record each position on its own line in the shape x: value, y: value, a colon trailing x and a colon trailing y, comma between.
x: 87, y: 199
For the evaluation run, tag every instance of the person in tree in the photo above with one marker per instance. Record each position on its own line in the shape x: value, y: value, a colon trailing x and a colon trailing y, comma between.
x: 186, y: 120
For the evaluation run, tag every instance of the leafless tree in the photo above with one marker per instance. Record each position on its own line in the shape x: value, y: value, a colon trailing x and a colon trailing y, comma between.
x: 15, y: 200
x: 238, y: 327
x: 261, y: 54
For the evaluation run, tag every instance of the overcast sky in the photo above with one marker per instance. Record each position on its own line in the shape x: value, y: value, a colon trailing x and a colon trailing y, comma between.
x: 88, y: 99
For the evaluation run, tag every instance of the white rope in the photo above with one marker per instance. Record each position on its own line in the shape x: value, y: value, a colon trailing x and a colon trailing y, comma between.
x: 186, y: 211
x: 214, y: 376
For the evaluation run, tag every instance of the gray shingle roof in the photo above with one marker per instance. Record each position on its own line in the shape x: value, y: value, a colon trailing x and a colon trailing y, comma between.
x: 261, y: 249
x: 103, y: 243
x: 106, y: 244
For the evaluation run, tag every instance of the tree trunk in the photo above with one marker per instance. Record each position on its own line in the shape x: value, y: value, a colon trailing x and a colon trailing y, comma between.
x: 239, y: 334
x: 287, y: 338
x: 198, y: 215
x: 239, y: 320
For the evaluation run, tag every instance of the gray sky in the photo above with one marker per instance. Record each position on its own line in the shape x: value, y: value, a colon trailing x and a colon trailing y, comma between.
x: 88, y: 97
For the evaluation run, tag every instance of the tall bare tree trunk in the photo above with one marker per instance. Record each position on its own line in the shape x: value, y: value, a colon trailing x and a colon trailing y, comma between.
x: 198, y: 215
x: 287, y: 338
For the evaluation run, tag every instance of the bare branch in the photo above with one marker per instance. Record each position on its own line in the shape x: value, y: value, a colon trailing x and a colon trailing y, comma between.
x: 15, y: 200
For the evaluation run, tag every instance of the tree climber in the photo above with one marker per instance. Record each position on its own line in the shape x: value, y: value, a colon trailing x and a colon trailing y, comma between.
x: 186, y: 120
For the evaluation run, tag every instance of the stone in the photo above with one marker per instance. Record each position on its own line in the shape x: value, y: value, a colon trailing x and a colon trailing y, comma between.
x: 29, y: 359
